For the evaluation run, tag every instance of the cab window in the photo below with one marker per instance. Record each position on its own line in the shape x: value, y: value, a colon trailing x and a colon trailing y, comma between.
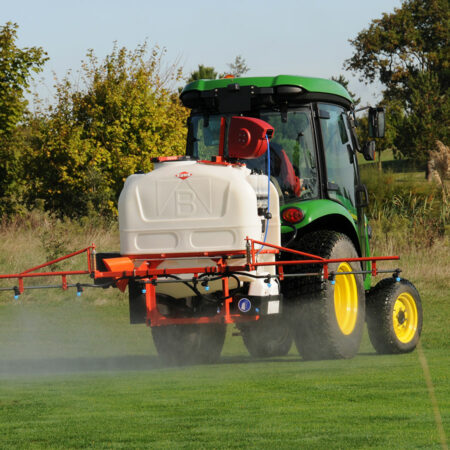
x: 341, y: 175
x: 293, y: 158
x: 204, y: 135
x: 292, y: 150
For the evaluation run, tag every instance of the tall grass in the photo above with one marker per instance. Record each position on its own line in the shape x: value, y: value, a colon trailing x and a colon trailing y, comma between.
x: 40, y: 236
x: 405, y: 214
x: 37, y: 237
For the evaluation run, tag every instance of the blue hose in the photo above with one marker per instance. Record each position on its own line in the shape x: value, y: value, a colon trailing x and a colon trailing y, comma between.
x: 268, y: 193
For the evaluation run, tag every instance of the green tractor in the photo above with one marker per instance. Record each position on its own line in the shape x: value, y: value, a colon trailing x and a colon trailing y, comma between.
x: 313, y: 163
x: 260, y: 224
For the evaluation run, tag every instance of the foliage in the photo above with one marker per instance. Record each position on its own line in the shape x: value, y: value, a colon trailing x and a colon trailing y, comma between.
x: 412, y: 39
x: 203, y: 73
x: 94, y: 137
x: 408, y: 51
x: 426, y: 119
x: 238, y: 67
x: 17, y: 67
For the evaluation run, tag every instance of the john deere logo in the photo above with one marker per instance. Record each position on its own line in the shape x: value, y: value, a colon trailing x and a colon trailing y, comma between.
x: 183, y: 175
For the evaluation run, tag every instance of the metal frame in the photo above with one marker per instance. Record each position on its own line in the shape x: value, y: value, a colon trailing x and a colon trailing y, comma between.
x: 31, y: 273
x: 150, y: 275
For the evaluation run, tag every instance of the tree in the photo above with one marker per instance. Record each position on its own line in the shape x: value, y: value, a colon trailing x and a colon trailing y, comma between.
x: 95, y: 137
x: 203, y: 73
x: 427, y: 117
x: 17, y: 67
x: 412, y: 39
x: 238, y: 67
x: 408, y: 52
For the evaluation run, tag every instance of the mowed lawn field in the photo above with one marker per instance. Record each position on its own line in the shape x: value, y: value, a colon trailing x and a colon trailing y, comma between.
x: 75, y: 374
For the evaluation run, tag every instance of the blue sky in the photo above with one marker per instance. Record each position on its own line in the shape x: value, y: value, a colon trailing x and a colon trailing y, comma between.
x: 285, y: 36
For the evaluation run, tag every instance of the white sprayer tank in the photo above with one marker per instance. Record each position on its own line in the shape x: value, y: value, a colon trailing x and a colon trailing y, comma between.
x: 186, y: 207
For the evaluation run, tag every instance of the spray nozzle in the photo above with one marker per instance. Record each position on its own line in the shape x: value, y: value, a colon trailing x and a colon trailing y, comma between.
x: 79, y: 289
x: 16, y: 293
x: 396, y: 275
x: 206, y: 285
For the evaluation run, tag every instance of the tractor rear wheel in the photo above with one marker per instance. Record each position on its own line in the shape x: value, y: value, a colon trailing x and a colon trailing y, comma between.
x: 268, y: 337
x: 189, y: 344
x: 394, y: 316
x: 327, y: 319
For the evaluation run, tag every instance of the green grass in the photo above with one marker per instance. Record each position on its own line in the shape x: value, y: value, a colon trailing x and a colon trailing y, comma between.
x: 366, y: 402
x: 75, y: 374
x: 386, y: 155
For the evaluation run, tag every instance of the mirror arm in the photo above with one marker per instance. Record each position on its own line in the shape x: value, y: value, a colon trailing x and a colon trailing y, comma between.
x: 364, y: 108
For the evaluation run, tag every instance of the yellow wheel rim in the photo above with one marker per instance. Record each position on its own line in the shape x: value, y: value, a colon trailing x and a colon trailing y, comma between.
x: 346, y: 299
x: 405, y: 317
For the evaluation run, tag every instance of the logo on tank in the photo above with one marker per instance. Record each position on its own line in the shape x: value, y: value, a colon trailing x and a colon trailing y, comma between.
x: 183, y: 175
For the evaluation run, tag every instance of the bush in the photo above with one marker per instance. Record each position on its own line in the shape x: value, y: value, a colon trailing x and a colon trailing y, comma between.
x: 76, y: 154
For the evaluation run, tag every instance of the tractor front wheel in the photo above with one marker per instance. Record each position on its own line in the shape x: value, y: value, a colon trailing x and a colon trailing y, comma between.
x: 394, y: 316
x: 189, y: 344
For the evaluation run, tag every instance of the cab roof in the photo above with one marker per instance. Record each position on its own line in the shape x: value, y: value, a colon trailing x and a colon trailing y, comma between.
x: 232, y: 95
x: 310, y: 84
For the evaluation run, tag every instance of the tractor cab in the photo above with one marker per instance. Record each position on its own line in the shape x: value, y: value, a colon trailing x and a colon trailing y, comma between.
x: 312, y: 151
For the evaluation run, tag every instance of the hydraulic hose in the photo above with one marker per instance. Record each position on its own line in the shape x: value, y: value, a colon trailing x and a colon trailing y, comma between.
x: 268, y: 194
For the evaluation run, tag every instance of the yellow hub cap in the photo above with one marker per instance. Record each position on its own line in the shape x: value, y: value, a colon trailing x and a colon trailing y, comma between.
x: 346, y: 299
x: 405, y: 317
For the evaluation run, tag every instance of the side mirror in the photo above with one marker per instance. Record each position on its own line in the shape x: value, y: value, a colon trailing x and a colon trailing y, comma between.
x: 369, y: 151
x: 247, y: 137
x: 376, y: 122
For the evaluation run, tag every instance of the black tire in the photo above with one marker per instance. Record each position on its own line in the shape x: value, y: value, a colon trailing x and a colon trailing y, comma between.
x: 189, y: 344
x: 268, y: 337
x: 327, y: 319
x: 394, y: 316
